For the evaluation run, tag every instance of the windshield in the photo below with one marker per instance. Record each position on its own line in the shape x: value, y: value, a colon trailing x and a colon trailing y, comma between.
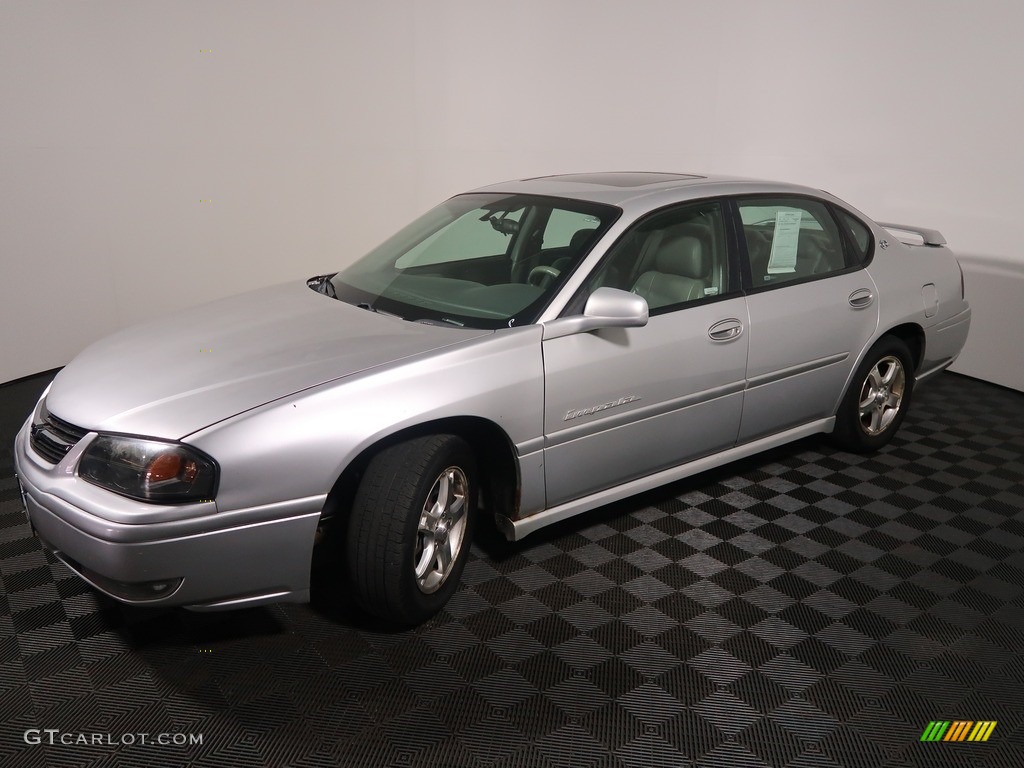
x: 479, y: 260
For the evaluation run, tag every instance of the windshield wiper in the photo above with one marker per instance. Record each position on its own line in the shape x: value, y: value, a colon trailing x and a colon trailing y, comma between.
x: 440, y: 321
x: 367, y: 306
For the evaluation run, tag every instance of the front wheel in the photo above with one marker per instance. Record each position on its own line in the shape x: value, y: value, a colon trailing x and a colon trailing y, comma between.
x: 878, y: 398
x: 410, y: 528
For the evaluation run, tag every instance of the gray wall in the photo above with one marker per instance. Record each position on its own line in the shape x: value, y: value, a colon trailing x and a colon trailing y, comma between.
x: 157, y: 155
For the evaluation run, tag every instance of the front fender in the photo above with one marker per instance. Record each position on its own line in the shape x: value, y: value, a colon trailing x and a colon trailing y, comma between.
x: 298, y: 446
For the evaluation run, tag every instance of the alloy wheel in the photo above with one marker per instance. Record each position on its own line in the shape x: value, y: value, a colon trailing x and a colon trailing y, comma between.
x: 881, y: 395
x: 441, y: 532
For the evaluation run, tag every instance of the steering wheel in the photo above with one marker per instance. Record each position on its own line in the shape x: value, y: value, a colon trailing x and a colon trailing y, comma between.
x: 542, y: 276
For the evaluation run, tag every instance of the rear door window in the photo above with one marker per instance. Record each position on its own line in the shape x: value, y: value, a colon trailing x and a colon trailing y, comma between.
x: 565, y: 226
x: 789, y: 239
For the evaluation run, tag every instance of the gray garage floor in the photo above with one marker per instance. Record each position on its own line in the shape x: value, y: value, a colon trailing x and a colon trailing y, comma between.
x: 804, y: 608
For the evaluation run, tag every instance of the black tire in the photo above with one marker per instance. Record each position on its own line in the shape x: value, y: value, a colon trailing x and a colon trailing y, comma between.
x: 878, y: 398
x: 385, y: 544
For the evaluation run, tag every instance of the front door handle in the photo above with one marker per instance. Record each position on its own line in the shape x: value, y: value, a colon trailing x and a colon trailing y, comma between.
x: 725, y: 330
x: 861, y: 298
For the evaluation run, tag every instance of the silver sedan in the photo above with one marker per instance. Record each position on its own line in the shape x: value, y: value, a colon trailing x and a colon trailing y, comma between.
x: 529, y: 350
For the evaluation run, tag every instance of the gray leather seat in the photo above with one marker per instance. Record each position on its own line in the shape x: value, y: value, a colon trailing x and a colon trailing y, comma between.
x: 579, y: 239
x: 681, y: 269
x: 813, y: 259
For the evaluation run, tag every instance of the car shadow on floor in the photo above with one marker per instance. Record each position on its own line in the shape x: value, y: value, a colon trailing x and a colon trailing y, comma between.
x: 331, y: 599
x: 498, y: 549
x: 145, y: 628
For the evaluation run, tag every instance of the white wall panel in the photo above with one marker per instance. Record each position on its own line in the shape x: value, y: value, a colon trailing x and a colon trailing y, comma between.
x: 314, y: 129
x: 995, y: 288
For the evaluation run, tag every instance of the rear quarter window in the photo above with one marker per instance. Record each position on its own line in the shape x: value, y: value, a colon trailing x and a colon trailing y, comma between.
x: 860, y: 237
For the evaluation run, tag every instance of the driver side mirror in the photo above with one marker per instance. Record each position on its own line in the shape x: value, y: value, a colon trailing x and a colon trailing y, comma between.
x: 606, y: 308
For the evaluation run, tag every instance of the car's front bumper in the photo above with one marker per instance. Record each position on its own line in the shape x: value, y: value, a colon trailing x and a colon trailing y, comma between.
x: 221, y: 559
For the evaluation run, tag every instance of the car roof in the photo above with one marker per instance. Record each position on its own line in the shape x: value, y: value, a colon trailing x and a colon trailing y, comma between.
x: 645, y: 188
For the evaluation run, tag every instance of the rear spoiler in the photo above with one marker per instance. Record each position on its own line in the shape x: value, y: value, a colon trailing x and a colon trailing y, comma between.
x: 930, y: 236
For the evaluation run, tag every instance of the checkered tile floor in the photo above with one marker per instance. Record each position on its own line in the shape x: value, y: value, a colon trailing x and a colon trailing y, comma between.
x: 804, y: 608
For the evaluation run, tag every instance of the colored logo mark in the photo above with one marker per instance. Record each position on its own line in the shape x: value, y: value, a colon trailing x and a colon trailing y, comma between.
x: 958, y: 730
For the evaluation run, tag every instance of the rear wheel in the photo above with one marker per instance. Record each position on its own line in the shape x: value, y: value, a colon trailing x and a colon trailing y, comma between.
x: 878, y: 398
x: 411, y: 526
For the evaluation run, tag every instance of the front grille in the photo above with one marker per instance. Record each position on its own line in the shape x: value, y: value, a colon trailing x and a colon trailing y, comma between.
x: 52, y: 438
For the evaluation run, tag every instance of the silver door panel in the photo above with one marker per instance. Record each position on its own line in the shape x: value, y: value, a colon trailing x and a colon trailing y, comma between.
x: 795, y: 399
x: 641, y: 447
x: 626, y: 402
x: 804, y: 339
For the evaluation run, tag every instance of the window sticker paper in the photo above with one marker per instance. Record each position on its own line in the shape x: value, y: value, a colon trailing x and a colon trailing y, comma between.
x: 784, y: 242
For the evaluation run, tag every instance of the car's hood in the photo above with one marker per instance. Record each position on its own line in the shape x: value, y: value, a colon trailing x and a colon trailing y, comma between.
x: 173, y: 376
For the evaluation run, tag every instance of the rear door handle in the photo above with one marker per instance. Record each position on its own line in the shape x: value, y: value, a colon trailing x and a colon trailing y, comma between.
x: 861, y: 298
x: 725, y: 330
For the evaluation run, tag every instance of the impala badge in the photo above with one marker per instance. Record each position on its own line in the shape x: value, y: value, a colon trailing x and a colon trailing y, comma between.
x: 574, y: 413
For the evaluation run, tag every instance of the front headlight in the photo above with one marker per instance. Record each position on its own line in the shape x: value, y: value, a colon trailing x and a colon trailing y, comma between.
x: 149, y: 470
